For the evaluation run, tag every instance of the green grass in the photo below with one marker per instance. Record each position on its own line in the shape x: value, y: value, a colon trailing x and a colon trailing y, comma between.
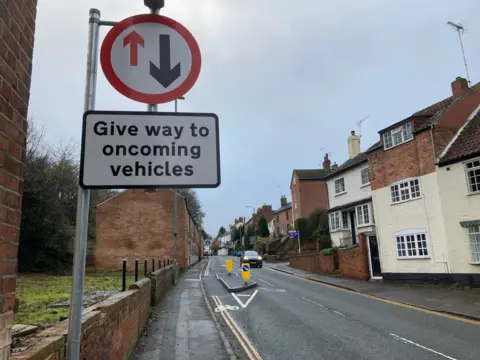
x: 36, y: 291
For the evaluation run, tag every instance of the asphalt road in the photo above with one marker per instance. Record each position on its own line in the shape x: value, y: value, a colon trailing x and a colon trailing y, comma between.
x: 290, y: 318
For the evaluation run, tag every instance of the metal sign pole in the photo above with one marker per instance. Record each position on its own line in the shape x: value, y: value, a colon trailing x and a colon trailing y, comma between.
x: 83, y: 202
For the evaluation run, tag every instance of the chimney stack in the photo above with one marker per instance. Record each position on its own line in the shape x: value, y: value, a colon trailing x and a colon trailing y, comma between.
x: 353, y: 145
x: 334, y: 166
x: 283, y: 201
x: 326, y: 163
x: 459, y: 87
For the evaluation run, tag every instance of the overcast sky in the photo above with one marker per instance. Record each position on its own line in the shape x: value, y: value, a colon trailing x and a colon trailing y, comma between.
x: 285, y: 79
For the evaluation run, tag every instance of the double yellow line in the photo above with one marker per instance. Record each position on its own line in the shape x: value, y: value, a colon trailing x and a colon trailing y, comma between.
x: 239, y: 334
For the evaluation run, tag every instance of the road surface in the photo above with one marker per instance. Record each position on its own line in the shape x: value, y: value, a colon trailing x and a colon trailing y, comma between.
x: 286, y: 317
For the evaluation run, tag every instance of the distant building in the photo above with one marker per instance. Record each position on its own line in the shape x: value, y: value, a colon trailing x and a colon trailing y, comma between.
x: 138, y: 224
x: 282, y: 219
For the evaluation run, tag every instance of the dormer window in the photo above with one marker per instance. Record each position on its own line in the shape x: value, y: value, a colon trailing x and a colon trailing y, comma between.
x: 397, y: 136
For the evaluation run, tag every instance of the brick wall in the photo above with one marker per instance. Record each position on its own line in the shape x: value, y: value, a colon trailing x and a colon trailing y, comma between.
x: 313, y: 195
x: 111, y: 328
x: 314, y: 262
x: 17, y: 27
x: 353, y: 263
x: 139, y: 225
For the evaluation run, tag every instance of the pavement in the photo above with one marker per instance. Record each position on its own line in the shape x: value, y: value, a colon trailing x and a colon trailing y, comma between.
x: 441, y: 299
x: 182, y: 326
x: 291, y: 317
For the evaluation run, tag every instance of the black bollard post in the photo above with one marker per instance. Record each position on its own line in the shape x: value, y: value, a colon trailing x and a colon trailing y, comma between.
x: 136, y: 270
x: 124, y: 275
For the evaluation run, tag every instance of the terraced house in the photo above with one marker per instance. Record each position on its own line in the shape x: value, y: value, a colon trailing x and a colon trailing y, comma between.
x: 421, y: 239
x: 350, y: 203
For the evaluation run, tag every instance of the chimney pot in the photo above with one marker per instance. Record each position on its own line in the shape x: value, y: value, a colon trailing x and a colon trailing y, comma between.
x: 326, y: 162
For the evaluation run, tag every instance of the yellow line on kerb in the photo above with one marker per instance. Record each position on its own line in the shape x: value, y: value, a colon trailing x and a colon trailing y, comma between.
x: 448, y: 316
x: 239, y: 334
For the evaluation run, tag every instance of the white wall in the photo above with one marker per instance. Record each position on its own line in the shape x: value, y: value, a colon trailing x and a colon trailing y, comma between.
x: 458, y: 206
x: 424, y: 213
x: 353, y: 187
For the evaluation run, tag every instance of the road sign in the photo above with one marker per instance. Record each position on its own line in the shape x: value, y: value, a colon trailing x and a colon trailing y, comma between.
x: 246, y: 272
x: 125, y: 150
x: 150, y: 58
x: 229, y: 264
x: 293, y: 234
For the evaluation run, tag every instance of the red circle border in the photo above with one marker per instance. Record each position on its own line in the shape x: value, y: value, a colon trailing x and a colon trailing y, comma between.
x: 121, y: 87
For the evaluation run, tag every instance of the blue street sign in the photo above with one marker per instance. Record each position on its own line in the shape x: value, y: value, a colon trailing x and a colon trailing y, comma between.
x: 245, y: 268
x: 293, y: 234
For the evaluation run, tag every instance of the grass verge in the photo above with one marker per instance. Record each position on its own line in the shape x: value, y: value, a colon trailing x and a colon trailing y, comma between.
x: 36, y: 291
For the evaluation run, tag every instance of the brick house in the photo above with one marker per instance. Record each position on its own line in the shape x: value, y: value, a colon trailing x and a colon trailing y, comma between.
x: 458, y: 175
x: 309, y: 190
x: 252, y: 223
x: 282, y: 219
x: 17, y: 27
x: 138, y: 224
x: 350, y: 200
x: 406, y: 196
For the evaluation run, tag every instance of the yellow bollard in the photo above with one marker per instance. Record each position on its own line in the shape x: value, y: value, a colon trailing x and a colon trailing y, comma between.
x: 229, y: 266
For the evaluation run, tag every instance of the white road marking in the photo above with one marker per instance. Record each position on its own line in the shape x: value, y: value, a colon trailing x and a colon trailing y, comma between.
x: 221, y: 308
x: 323, y: 306
x: 266, y: 282
x: 248, y: 301
x: 272, y: 290
x: 420, y: 346
x: 243, y: 295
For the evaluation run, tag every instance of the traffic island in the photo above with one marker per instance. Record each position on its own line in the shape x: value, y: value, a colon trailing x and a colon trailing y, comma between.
x: 234, y: 283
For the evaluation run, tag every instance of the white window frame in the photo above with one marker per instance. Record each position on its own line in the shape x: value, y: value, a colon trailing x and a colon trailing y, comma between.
x: 368, y: 176
x: 474, y: 167
x: 360, y: 215
x: 474, y: 242
x: 406, y: 135
x: 418, y: 240
x: 343, y: 183
x: 335, y: 221
x: 405, y: 190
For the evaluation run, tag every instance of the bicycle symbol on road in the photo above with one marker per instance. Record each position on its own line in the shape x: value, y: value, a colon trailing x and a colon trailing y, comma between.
x: 225, y: 307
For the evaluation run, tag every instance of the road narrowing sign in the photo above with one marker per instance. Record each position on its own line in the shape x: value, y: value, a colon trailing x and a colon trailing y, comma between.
x: 125, y: 150
x: 150, y: 58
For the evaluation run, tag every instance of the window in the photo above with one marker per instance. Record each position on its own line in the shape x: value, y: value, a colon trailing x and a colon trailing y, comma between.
x: 474, y: 237
x: 398, y: 135
x: 339, y: 186
x: 472, y: 169
x: 412, y: 244
x: 365, y: 176
x: 287, y: 214
x: 335, y: 221
x: 363, y: 215
x: 404, y: 191
x: 277, y: 217
x: 345, y: 224
x: 294, y: 180
x: 295, y: 200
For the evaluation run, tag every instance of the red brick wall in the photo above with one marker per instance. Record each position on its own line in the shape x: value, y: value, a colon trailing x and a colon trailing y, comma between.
x: 314, y: 262
x: 353, y: 263
x: 17, y: 26
x: 110, y: 329
x: 139, y: 225
x: 284, y: 220
x: 313, y: 195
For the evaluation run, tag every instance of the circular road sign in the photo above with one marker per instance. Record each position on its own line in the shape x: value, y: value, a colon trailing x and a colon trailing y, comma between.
x: 245, y: 268
x: 150, y: 58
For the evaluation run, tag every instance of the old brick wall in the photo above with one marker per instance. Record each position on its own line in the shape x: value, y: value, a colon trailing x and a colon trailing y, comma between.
x: 313, y: 195
x: 139, y: 225
x: 17, y: 27
x: 315, y: 262
x: 162, y: 280
x: 110, y: 329
x: 353, y: 263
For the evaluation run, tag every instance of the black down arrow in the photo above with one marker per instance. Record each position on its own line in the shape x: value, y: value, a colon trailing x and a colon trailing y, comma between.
x: 164, y: 74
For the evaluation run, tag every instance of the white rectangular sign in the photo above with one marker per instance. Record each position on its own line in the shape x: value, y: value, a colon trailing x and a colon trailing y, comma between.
x: 126, y: 150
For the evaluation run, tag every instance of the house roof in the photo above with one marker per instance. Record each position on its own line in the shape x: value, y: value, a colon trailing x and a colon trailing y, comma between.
x: 350, y: 163
x: 466, y: 143
x: 283, y: 208
x: 349, y: 205
x: 310, y: 174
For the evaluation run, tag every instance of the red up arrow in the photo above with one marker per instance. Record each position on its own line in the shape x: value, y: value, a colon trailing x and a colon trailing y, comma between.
x: 134, y: 39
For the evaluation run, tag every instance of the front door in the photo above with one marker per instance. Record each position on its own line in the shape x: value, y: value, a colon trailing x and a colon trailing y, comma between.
x: 353, y: 227
x: 374, y: 256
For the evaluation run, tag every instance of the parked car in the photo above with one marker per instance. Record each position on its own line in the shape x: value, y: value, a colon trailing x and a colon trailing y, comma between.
x: 252, y: 258
x: 238, y: 253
